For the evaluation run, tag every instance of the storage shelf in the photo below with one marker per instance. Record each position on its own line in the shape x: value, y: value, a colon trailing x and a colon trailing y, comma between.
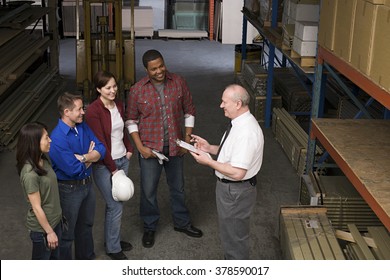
x: 12, y: 28
x: 273, y: 36
x: 361, y: 149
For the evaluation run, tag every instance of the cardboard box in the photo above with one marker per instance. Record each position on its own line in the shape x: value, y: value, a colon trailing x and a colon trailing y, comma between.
x: 304, y: 12
x: 305, y: 48
x: 380, y: 64
x: 327, y: 24
x: 363, y: 35
x: 306, y: 30
x: 345, y: 20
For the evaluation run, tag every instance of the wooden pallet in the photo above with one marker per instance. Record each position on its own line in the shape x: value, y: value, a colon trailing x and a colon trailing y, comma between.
x: 304, y: 61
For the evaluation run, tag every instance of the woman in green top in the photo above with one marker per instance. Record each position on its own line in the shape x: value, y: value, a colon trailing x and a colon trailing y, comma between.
x: 40, y: 187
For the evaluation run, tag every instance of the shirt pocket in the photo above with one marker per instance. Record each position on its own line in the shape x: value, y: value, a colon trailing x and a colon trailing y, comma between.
x: 145, y: 108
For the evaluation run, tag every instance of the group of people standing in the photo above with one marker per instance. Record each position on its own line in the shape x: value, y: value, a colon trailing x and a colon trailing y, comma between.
x: 60, y: 191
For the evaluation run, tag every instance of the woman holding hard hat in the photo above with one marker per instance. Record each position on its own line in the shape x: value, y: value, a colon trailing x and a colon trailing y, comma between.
x: 105, y: 116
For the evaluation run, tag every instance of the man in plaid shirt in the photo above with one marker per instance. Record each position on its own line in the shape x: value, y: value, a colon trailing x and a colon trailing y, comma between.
x: 158, y: 106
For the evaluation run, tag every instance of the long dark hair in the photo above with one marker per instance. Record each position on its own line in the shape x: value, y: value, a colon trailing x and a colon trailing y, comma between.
x: 28, y: 148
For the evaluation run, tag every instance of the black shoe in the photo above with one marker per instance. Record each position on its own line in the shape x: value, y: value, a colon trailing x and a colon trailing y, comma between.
x: 148, y: 239
x: 190, y: 231
x: 126, y: 246
x: 117, y: 256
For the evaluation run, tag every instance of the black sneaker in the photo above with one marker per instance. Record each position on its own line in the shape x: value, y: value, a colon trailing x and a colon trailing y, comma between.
x: 117, y: 256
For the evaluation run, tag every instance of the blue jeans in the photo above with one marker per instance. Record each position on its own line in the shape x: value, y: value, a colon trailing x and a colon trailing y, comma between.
x: 78, y: 206
x: 40, y: 250
x: 113, y: 213
x: 150, y: 176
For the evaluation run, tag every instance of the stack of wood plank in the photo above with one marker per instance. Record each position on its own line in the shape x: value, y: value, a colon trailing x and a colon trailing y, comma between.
x: 373, y: 245
x: 295, y: 96
x: 345, y: 205
x: 256, y: 77
x: 306, y: 234
x: 258, y: 102
x: 292, y: 138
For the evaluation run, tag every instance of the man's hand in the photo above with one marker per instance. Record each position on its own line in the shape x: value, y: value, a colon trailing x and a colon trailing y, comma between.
x: 200, y: 143
x: 202, y: 158
x: 146, y: 152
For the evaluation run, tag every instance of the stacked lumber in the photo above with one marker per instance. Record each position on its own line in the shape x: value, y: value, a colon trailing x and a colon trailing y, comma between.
x: 257, y: 103
x: 306, y: 234
x: 343, y: 202
x: 295, y: 96
x: 373, y: 245
x: 292, y: 138
x: 256, y: 77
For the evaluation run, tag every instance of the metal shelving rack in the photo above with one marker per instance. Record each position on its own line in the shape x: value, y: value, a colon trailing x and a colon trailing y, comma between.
x: 29, y: 65
x: 360, y: 148
x: 274, y: 42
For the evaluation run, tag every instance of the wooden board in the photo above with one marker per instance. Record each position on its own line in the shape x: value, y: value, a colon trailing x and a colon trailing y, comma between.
x: 361, y: 148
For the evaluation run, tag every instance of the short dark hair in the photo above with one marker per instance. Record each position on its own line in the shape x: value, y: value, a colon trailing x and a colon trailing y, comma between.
x: 28, y: 147
x: 66, y: 101
x: 151, y: 55
x: 101, y: 79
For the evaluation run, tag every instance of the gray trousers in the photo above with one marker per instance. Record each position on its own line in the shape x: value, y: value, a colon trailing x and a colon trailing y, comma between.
x: 235, y: 203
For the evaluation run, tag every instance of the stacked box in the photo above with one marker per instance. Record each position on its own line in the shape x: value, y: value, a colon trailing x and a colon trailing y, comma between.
x: 305, y: 38
x: 345, y: 20
x: 380, y: 63
x: 363, y: 35
x: 327, y: 24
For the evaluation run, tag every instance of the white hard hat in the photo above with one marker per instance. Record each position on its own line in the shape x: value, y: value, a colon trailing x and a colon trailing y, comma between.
x: 122, y: 186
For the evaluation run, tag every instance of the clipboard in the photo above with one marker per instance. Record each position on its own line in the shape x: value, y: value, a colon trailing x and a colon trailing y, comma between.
x: 187, y: 146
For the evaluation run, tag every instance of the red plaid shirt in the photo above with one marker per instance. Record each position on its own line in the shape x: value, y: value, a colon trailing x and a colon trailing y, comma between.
x: 145, y: 108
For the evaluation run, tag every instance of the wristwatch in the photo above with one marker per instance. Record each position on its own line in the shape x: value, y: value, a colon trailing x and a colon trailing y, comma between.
x: 83, y: 158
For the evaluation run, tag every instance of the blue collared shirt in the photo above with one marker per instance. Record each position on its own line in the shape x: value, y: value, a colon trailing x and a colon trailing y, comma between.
x: 65, y: 144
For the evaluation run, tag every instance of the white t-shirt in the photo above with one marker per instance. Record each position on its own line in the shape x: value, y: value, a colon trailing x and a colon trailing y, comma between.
x: 244, y: 146
x: 118, y: 149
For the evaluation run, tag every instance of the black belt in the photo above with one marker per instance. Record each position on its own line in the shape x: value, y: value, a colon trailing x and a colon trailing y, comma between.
x: 76, y: 182
x: 252, y: 181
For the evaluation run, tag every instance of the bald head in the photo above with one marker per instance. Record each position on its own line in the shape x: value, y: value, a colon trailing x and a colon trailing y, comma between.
x: 238, y: 93
x: 235, y: 101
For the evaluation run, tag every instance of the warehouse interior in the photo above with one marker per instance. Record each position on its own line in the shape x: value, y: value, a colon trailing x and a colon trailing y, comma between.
x: 321, y: 99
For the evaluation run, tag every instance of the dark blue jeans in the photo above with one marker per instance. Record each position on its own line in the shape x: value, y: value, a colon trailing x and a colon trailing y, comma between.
x: 78, y: 206
x: 150, y: 176
x: 40, y: 250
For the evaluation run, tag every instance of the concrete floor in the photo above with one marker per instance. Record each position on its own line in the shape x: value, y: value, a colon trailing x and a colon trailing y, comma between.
x: 208, y: 68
